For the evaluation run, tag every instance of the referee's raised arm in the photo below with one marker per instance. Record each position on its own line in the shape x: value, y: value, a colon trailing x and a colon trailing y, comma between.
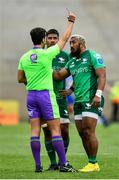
x: 64, y: 38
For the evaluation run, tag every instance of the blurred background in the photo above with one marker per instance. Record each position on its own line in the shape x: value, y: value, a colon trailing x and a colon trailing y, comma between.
x: 97, y: 20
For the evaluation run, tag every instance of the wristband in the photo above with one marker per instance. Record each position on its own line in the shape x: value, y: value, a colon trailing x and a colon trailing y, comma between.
x: 98, y: 93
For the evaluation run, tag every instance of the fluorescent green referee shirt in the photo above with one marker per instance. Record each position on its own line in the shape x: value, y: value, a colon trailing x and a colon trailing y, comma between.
x: 37, y: 65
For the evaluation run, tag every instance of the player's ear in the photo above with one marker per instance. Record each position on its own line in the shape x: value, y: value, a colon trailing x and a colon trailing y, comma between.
x: 43, y: 42
x: 81, y: 46
x: 44, y: 39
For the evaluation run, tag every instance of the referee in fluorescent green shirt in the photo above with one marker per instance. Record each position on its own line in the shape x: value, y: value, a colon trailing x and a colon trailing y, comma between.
x: 35, y: 71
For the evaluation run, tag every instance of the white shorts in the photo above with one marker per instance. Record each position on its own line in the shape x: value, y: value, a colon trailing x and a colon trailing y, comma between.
x: 85, y: 114
x: 62, y: 121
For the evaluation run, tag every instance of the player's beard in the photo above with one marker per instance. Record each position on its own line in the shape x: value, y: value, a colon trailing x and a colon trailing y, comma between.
x: 76, y: 53
x: 49, y: 45
x: 52, y: 44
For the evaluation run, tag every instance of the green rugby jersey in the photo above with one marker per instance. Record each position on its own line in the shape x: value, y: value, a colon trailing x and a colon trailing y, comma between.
x: 82, y: 70
x: 58, y: 63
x: 37, y: 65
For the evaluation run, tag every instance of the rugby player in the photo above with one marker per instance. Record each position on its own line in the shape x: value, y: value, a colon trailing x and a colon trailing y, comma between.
x: 89, y: 77
x: 52, y: 37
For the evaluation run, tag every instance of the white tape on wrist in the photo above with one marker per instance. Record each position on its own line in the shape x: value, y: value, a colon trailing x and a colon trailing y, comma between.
x: 98, y: 93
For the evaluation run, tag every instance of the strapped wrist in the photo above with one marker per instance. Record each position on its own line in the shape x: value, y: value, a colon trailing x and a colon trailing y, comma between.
x: 98, y: 93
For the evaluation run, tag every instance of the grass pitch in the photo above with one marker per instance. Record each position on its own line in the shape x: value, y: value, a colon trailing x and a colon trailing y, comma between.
x: 16, y: 161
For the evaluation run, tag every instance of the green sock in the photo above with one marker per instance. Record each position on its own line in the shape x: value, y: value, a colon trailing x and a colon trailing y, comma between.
x: 51, y: 152
x: 92, y: 159
x: 66, y: 144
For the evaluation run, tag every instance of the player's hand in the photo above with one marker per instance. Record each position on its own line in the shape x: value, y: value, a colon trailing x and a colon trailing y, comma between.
x: 65, y: 92
x: 96, y: 101
x: 71, y: 16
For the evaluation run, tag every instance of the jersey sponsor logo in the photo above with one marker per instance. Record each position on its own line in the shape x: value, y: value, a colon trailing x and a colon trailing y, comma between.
x: 30, y: 113
x: 100, y: 109
x: 78, y: 59
x: 56, y: 68
x: 61, y: 60
x: 65, y: 112
x: 33, y: 58
x: 72, y: 64
x: 99, y: 59
x: 73, y: 58
x: 88, y: 106
x: 84, y: 60
x: 80, y: 70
